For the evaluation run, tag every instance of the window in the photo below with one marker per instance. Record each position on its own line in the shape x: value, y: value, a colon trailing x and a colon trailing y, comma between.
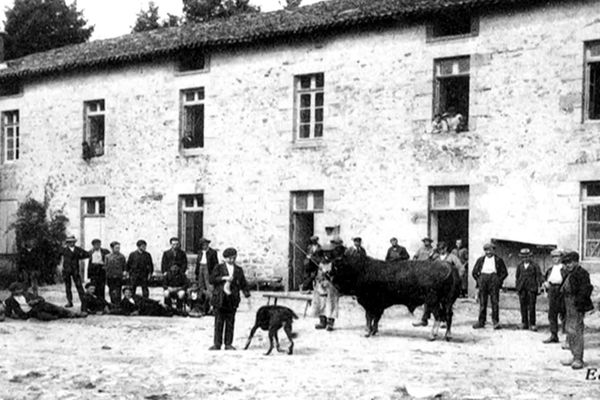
x: 93, y: 138
x: 93, y: 206
x: 8, y: 213
x: 10, y: 88
x: 592, y: 81
x: 448, y: 24
x: 309, y: 106
x: 192, y: 119
x: 10, y: 136
x: 590, y: 210
x: 449, y: 197
x: 191, y: 212
x: 307, y: 201
x: 192, y: 60
x: 451, y: 92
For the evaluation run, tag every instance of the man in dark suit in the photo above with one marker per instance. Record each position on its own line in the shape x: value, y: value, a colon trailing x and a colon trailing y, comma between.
x: 528, y: 283
x: 71, y: 256
x: 92, y: 303
x: 555, y: 276
x: 97, y: 267
x: 29, y: 265
x: 357, y: 249
x: 175, y: 284
x: 174, y: 256
x: 228, y: 279
x: 140, y: 268
x: 396, y: 252
x: 205, y: 264
x: 134, y: 305
x: 576, y: 290
x: 489, y: 272
x: 24, y: 305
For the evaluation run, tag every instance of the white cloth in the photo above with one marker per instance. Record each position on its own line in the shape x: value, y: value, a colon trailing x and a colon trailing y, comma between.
x: 525, y: 265
x: 23, y: 303
x: 489, y: 265
x: 97, y: 257
x: 227, y: 286
x: 203, y: 257
x: 555, y: 275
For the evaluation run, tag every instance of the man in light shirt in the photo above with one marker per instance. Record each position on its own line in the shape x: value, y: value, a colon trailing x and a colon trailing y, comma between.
x: 97, y: 267
x: 489, y: 272
x: 554, y: 279
x: 205, y: 263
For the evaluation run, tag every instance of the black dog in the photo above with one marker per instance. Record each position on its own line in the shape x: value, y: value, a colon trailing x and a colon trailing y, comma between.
x: 272, y: 318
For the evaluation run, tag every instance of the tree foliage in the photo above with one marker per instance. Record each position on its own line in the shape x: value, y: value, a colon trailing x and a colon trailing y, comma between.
x: 149, y: 19
x: 291, y: 4
x: 205, y: 10
x: 48, y: 232
x: 33, y: 26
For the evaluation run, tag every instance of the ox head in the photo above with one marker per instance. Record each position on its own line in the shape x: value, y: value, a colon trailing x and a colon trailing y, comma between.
x: 345, y: 268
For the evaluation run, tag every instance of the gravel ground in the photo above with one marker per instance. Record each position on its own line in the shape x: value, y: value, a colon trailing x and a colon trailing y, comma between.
x: 112, y: 357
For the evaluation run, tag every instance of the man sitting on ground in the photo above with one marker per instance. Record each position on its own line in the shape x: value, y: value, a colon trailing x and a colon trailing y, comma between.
x: 92, y: 304
x: 133, y: 305
x: 175, y: 285
x: 25, y: 305
x: 197, y: 301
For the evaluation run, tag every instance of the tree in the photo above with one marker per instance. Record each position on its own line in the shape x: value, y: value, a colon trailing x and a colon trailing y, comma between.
x: 47, y: 232
x: 205, y: 10
x: 33, y: 26
x: 148, y: 20
x: 291, y: 4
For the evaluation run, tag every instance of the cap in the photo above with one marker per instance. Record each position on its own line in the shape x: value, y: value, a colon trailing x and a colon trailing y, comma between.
x: 337, y: 240
x: 71, y: 238
x: 96, y: 241
x: 357, y: 239
x: 16, y: 286
x: 204, y: 240
x: 87, y: 285
x: 571, y: 256
x: 525, y: 252
x: 488, y: 246
x: 557, y: 253
x: 141, y: 242
x: 427, y: 239
x: 229, y: 252
x: 314, y: 238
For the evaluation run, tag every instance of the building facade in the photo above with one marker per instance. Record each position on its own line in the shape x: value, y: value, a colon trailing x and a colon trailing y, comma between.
x: 260, y: 145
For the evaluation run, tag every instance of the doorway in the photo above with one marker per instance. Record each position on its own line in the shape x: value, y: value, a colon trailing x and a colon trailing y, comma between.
x: 92, y: 224
x: 452, y: 225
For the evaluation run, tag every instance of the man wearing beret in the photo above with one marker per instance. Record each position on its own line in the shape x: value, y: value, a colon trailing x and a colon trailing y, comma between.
x: 71, y: 256
x: 554, y: 279
x: 140, y: 268
x: 228, y: 280
x: 528, y: 283
x: 489, y: 272
x: 576, y: 289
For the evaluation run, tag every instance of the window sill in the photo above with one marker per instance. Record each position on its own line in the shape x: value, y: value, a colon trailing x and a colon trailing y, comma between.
x: 591, y: 122
x: 308, y: 144
x: 193, y: 152
x: 434, y: 40
x: 10, y: 164
x: 192, y: 72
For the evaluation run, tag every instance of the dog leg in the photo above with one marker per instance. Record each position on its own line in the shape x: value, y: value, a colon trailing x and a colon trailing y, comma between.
x: 271, y: 339
x: 277, y: 342
x: 252, y: 332
x: 288, y: 331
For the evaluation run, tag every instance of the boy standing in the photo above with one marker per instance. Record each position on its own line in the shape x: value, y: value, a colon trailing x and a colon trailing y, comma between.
x: 115, y: 272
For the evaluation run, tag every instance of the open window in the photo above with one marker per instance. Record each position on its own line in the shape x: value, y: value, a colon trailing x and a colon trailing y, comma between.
x: 191, y: 215
x: 451, y: 93
x: 592, y: 81
x: 93, y: 136
x: 192, y: 60
x: 192, y: 118
x: 451, y: 24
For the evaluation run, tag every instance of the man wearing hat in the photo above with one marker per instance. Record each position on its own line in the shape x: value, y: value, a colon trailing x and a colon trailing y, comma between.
x: 71, y: 256
x: 326, y: 298
x: 174, y: 256
x: 528, y: 283
x: 356, y: 249
x: 554, y: 279
x: 140, y: 268
x: 396, y: 252
x: 116, y: 266
x: 576, y: 289
x: 311, y: 263
x: 228, y: 280
x: 489, y: 272
x: 97, y: 267
x: 206, y: 262
x: 426, y: 252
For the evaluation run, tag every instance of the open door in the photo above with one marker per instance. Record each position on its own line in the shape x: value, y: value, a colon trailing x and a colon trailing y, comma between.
x: 302, y: 230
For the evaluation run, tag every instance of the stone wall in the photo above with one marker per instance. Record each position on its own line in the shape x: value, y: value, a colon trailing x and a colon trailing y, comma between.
x: 524, y: 157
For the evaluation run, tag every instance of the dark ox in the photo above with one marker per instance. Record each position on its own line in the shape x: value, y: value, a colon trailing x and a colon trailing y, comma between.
x: 378, y: 285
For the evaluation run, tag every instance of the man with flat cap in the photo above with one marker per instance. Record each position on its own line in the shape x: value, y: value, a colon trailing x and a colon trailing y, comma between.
x: 489, y: 272
x: 356, y: 249
x: 311, y: 263
x: 556, y: 307
x: 97, y: 267
x: 426, y: 252
x: 228, y: 280
x: 140, y: 268
x: 576, y: 290
x: 326, y: 298
x: 174, y: 256
x: 396, y: 252
x: 71, y: 256
x: 206, y: 262
x: 528, y: 283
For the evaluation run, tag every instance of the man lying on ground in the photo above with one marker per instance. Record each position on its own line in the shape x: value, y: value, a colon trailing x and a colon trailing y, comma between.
x: 92, y: 304
x: 133, y: 305
x: 25, y: 305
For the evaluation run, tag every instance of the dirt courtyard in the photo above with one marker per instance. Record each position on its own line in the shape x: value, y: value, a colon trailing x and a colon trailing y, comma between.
x: 111, y: 357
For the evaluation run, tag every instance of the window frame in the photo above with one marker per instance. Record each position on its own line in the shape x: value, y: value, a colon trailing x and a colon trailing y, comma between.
x: 587, y: 60
x: 312, y: 91
x: 437, y: 87
x: 452, y: 196
x: 183, y: 117
x: 182, y: 210
x: 584, y: 203
x: 16, y: 146
x: 88, y: 114
x: 430, y: 28
x: 99, y: 205
x: 179, y: 62
x: 310, y: 201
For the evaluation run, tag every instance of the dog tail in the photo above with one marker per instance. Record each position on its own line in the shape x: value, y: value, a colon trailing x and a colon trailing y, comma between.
x: 294, y: 335
x: 294, y: 315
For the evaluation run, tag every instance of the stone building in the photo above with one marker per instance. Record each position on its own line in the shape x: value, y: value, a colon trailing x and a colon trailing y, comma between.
x: 261, y: 130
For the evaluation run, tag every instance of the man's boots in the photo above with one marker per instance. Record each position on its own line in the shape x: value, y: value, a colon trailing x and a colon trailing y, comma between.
x: 330, y: 322
x: 552, y: 339
x: 322, y: 322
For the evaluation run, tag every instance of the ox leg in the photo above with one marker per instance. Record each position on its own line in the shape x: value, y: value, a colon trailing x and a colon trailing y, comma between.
x: 369, y: 318
x: 449, y: 314
x: 375, y: 327
x: 436, y: 324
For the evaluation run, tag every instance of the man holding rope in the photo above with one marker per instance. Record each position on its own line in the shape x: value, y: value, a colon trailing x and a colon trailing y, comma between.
x: 325, y: 303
